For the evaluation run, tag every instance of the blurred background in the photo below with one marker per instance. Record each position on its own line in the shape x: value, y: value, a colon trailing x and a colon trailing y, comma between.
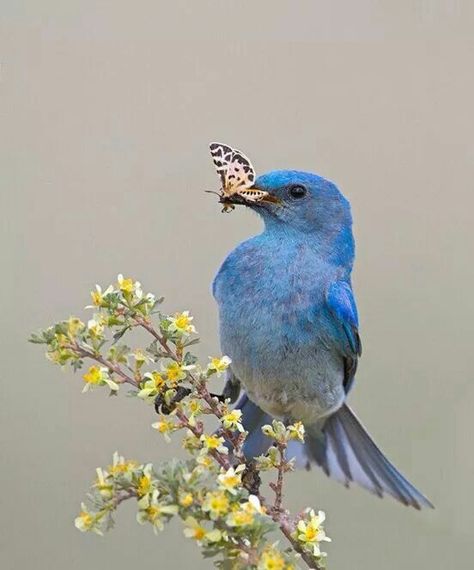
x: 106, y: 111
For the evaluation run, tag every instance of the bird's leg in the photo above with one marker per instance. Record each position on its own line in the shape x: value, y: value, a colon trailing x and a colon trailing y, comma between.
x: 162, y: 408
x: 231, y: 390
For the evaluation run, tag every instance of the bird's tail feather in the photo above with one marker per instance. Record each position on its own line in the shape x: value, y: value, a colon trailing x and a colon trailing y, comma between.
x: 341, y: 447
x: 346, y: 452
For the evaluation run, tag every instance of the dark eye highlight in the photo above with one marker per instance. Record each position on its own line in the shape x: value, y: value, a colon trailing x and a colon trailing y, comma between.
x: 297, y: 191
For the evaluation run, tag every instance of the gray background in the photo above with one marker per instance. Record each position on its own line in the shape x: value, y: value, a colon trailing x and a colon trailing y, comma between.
x: 106, y: 110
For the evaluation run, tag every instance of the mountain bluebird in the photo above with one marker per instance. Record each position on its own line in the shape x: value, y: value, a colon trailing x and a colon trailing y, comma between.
x: 288, y: 321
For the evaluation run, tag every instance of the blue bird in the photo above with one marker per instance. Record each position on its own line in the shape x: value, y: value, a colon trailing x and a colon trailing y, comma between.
x: 288, y: 320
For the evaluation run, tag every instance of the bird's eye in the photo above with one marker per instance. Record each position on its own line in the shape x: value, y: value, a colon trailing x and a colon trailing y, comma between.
x: 297, y: 191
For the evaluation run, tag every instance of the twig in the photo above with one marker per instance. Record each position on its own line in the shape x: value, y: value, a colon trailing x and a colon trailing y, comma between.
x: 98, y: 358
x: 278, y: 487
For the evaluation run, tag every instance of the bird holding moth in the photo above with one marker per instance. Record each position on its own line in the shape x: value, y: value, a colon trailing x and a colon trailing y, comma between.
x: 289, y: 323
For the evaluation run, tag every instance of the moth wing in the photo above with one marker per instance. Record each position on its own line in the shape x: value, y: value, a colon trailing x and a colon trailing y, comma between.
x: 221, y: 156
x: 234, y: 168
x: 252, y: 195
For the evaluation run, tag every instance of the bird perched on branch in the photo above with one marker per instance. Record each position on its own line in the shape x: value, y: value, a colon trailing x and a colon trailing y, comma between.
x: 288, y: 321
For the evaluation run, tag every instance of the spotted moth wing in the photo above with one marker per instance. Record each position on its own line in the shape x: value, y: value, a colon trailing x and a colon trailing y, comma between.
x: 234, y: 168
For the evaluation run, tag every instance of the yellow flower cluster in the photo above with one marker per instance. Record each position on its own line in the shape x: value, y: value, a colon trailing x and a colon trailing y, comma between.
x: 213, y: 501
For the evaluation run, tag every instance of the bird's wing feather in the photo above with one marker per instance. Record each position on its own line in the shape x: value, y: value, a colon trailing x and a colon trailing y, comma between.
x: 343, y: 310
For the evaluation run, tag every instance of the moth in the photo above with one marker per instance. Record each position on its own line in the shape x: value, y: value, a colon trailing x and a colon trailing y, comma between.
x: 237, y: 175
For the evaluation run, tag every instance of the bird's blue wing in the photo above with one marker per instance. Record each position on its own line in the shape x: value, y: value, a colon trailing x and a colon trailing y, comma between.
x: 343, y: 310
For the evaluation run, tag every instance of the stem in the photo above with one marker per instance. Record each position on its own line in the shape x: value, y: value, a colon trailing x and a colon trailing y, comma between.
x: 149, y: 327
x: 125, y: 495
x: 101, y: 360
x: 278, y: 487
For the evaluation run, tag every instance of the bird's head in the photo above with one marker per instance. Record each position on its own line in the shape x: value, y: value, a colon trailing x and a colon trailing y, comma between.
x: 301, y: 201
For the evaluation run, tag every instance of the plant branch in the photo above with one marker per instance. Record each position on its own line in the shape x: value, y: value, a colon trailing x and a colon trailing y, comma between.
x: 82, y: 352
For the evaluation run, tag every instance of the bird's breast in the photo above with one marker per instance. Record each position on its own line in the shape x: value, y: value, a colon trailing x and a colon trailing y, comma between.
x: 273, y: 326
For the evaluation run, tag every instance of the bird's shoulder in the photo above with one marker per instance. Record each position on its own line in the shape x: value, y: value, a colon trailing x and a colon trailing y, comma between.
x: 343, y: 309
x: 248, y: 258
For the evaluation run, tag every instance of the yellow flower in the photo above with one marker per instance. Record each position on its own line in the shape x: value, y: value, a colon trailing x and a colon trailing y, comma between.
x: 216, y: 504
x: 199, y: 533
x: 311, y: 531
x: 158, y: 380
x: 296, y: 431
x: 176, y: 372
x: 74, y: 326
x: 240, y: 518
x: 95, y: 328
x: 140, y: 358
x: 150, y: 510
x: 96, y: 376
x: 191, y: 442
x: 205, y: 461
x: 151, y: 386
x: 155, y: 511
x: 144, y: 485
x: 231, y: 420
x: 93, y: 376
x: 144, y: 482
x: 186, y: 500
x: 165, y: 427
x: 214, y: 442
x: 271, y: 559
x: 218, y: 365
x: 96, y: 296
x: 105, y: 488
x: 231, y: 479
x: 85, y: 520
x: 125, y: 285
x: 181, y: 323
x: 194, y: 407
x: 244, y: 513
x: 120, y: 466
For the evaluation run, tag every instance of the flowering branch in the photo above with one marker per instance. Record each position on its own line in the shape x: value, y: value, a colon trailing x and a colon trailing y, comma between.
x: 217, y: 491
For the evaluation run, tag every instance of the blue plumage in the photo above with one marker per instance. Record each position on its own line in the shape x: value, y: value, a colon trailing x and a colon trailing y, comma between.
x: 288, y: 320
